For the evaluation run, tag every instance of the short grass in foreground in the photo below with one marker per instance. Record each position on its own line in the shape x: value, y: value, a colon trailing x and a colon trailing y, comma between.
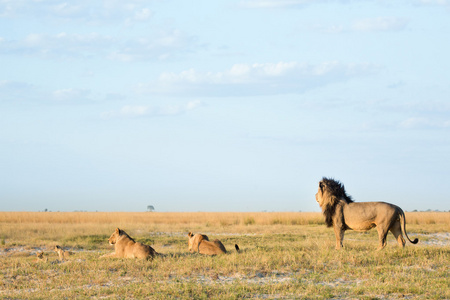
x: 282, y: 260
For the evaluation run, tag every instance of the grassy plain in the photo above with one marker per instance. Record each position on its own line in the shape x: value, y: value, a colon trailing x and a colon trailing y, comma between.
x: 284, y: 256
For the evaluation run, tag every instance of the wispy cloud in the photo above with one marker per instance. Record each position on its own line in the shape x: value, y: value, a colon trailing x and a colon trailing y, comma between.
x: 276, y: 3
x: 22, y: 92
x: 423, y: 114
x: 424, y: 123
x: 17, y: 91
x: 71, y: 94
x: 137, y: 111
x: 380, y: 24
x: 433, y: 2
x: 61, y: 45
x: 256, y: 79
x: 161, y: 45
x: 91, y: 12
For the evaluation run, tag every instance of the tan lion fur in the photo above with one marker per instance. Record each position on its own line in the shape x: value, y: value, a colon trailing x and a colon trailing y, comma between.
x: 126, y: 247
x: 343, y: 214
x: 40, y: 257
x: 201, y: 244
x: 63, y: 255
x: 195, y: 240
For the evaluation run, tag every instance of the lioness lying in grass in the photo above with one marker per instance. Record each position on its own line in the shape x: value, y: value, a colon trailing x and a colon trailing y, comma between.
x: 201, y: 244
x: 126, y: 247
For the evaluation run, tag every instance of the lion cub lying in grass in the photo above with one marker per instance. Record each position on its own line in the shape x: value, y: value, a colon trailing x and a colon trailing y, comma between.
x: 40, y: 257
x: 63, y: 255
x: 126, y: 247
x: 200, y: 243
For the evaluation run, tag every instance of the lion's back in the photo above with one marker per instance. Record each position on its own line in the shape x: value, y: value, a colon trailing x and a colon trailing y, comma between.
x: 131, y: 249
x: 370, y: 210
x: 362, y: 216
x: 212, y: 248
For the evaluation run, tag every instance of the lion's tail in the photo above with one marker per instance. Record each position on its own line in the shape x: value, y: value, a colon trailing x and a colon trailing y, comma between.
x: 403, y: 224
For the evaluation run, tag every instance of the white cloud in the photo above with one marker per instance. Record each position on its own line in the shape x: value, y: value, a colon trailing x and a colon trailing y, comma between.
x: 65, y: 9
x: 60, y: 45
x: 160, y: 46
x: 129, y: 110
x: 83, y: 11
x: 142, y: 14
x: 328, y: 28
x: 433, y: 2
x: 424, y: 123
x: 276, y: 3
x: 135, y: 111
x: 380, y: 24
x: 71, y: 94
x: 193, y: 104
x: 255, y: 79
x: 14, y: 91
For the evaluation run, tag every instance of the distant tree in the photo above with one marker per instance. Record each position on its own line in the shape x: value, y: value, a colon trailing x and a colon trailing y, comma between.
x: 150, y: 208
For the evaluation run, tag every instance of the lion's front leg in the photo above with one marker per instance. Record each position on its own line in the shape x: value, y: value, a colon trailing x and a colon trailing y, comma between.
x: 339, y: 233
x: 198, y: 247
x: 382, y: 234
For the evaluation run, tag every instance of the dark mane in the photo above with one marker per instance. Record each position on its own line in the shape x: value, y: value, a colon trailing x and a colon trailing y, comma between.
x: 336, y: 192
x: 337, y: 189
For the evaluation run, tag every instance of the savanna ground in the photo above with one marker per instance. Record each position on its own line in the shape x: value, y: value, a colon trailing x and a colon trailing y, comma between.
x: 283, y: 256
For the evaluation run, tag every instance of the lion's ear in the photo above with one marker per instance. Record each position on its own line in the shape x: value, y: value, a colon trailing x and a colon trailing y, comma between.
x: 190, y: 234
x: 117, y: 230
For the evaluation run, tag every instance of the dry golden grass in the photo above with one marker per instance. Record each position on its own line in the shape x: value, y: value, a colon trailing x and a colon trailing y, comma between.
x: 44, y: 228
x: 212, y: 218
x: 284, y: 255
x: 194, y: 218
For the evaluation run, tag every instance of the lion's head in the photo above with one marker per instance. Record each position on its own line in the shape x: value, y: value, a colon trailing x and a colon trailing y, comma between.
x: 116, y: 235
x: 190, y: 241
x: 194, y: 240
x: 328, y: 196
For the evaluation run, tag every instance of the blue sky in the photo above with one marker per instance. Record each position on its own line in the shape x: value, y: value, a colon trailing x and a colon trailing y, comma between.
x: 222, y: 105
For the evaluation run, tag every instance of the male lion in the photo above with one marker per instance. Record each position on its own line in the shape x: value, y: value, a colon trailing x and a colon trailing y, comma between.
x: 342, y: 213
x: 201, y: 244
x: 126, y: 247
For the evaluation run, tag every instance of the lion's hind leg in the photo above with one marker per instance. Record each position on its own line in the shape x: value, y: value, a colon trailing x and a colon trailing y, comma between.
x: 397, y: 232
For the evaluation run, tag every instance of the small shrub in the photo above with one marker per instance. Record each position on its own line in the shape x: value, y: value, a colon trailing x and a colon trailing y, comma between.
x: 224, y: 223
x: 249, y: 221
x: 276, y: 222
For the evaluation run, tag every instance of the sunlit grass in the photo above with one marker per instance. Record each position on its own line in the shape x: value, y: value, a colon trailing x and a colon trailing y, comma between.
x: 287, y: 255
